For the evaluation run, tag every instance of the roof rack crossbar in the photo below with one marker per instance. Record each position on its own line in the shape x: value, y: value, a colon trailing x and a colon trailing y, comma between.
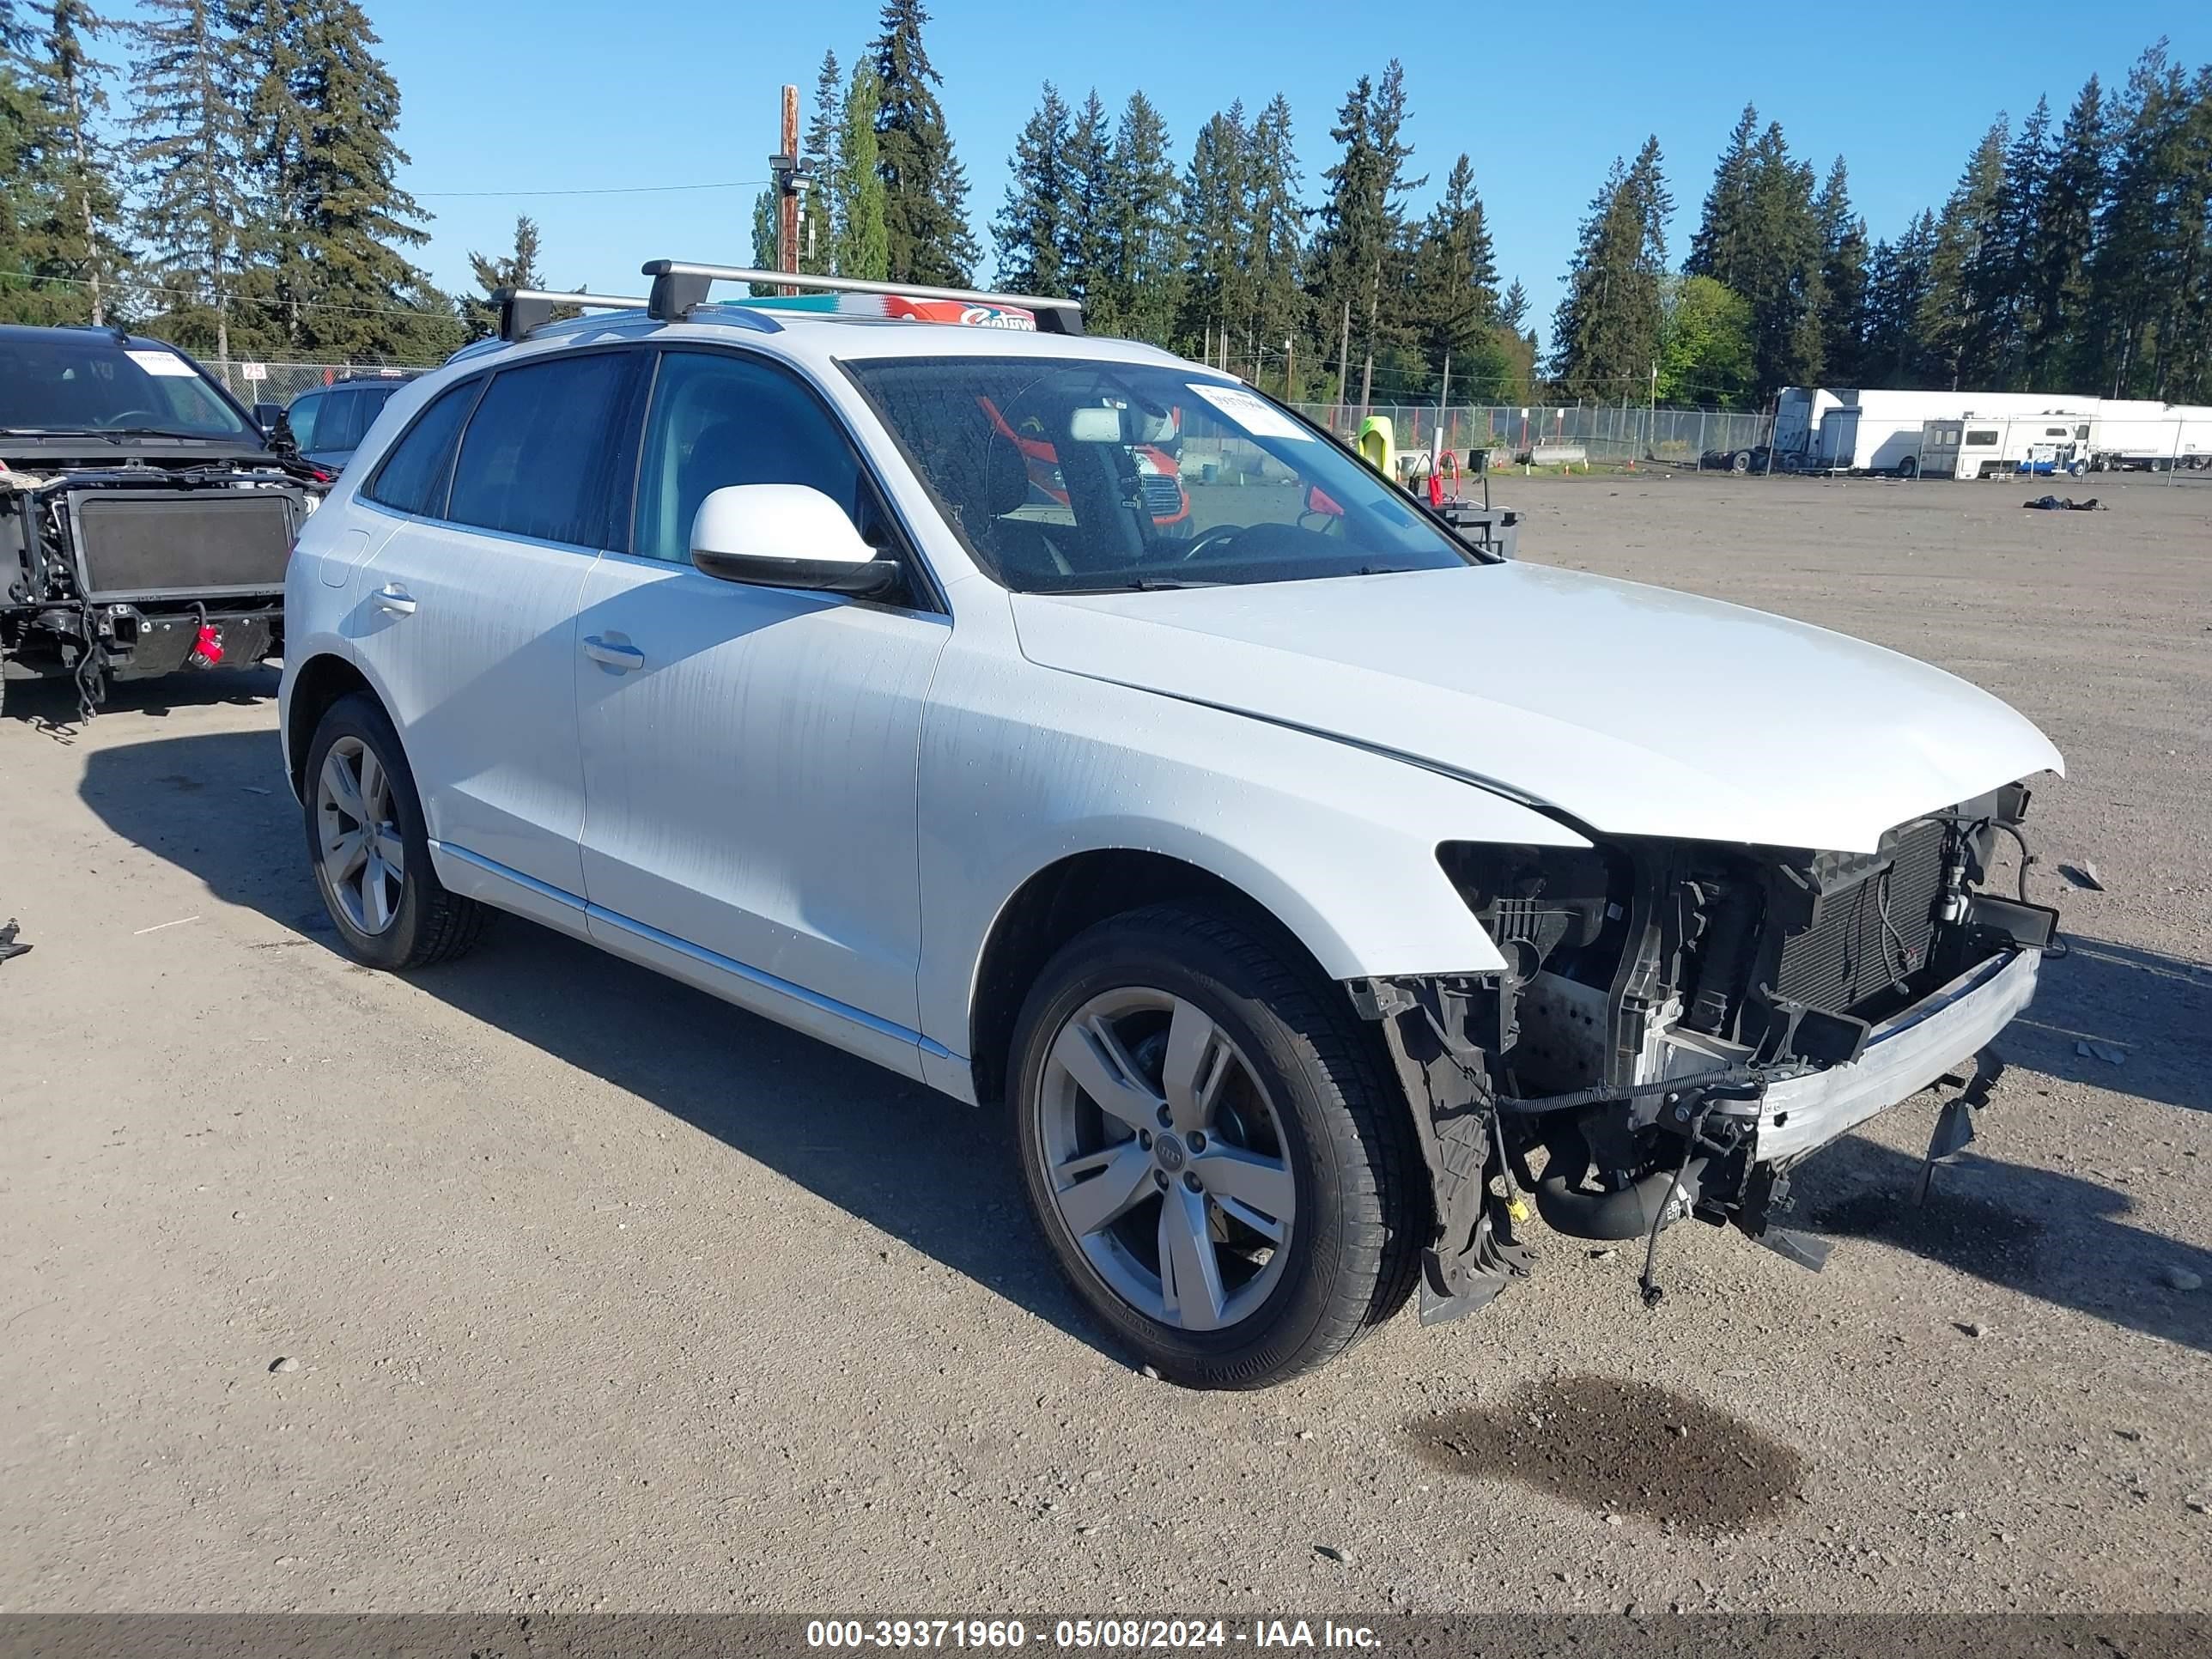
x: 679, y: 285
x: 524, y: 310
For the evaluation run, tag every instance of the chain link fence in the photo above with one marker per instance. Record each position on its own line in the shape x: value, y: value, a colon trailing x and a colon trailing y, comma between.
x: 1603, y: 433
x: 279, y: 383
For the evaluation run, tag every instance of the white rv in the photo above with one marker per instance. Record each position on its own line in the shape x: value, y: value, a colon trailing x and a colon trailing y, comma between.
x: 2037, y: 445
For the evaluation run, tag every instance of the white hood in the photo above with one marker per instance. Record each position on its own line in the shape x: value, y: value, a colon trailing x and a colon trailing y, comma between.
x: 1638, y: 710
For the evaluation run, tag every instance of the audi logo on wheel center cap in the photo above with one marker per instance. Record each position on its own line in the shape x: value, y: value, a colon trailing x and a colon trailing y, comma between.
x: 1169, y: 1152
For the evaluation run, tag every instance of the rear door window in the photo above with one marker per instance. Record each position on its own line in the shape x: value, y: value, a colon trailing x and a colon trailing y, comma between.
x: 413, y: 476
x: 544, y: 448
x: 306, y: 414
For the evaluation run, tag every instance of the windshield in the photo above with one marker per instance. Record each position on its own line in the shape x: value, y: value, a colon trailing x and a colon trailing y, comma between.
x: 1073, y: 477
x: 72, y: 380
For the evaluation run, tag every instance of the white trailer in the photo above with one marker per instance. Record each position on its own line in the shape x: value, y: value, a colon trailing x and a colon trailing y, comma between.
x: 2133, y: 433
x: 1830, y: 430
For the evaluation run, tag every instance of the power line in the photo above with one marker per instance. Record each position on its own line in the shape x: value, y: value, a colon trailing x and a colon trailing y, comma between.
x: 600, y: 190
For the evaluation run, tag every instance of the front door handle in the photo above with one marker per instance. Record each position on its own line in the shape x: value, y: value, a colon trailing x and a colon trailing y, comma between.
x: 396, y: 599
x: 622, y: 658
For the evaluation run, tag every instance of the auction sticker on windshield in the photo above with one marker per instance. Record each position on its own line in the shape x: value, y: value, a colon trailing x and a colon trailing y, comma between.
x: 165, y: 363
x: 1255, y: 415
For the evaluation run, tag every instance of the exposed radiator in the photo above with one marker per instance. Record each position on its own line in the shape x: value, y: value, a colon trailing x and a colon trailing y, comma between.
x: 174, y: 544
x: 1847, y: 955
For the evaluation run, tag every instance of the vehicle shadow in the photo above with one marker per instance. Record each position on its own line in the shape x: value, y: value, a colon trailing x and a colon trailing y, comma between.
x: 941, y: 1177
x: 934, y: 1174
x: 50, y: 705
x: 2052, y: 1236
x: 2152, y: 1011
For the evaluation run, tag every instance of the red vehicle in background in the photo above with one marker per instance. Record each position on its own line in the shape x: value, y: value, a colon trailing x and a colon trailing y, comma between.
x: 1159, y: 469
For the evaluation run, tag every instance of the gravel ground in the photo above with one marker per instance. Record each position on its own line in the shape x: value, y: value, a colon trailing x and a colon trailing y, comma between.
x: 540, y: 1283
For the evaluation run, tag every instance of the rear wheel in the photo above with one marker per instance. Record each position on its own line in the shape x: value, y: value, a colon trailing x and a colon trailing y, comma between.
x: 1209, y: 1148
x: 1741, y: 461
x: 371, y: 850
x: 1908, y: 468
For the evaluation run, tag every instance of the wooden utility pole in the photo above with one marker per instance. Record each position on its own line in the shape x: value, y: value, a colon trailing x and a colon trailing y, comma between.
x: 787, y: 189
x: 1367, y: 382
x: 1344, y: 361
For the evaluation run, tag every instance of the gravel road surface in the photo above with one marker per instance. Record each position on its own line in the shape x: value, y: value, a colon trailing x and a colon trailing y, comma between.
x: 540, y: 1283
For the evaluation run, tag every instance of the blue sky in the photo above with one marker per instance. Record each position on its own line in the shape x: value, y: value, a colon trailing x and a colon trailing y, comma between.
x: 503, y: 97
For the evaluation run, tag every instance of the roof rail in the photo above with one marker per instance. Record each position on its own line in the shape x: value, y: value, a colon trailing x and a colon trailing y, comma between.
x: 522, y: 310
x: 679, y: 285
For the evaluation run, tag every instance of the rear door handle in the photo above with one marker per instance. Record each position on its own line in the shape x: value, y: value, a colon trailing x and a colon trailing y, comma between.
x: 623, y: 658
x: 396, y: 599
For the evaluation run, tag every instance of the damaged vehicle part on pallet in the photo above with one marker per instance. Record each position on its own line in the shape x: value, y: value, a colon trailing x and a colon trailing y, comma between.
x: 1678, y: 1024
x: 145, y: 522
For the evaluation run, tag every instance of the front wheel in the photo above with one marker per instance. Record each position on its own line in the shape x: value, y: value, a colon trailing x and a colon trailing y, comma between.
x: 1908, y: 468
x: 1209, y: 1150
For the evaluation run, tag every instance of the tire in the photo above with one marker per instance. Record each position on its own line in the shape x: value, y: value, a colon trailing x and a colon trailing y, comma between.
x: 1740, y: 463
x: 385, y: 919
x: 1908, y: 468
x: 1295, y: 1118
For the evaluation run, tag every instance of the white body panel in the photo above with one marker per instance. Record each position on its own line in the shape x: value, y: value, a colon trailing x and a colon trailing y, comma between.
x: 1849, y: 739
x: 819, y: 808
x: 751, y: 781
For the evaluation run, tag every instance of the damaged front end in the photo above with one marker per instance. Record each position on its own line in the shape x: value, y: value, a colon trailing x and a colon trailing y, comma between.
x: 129, y: 570
x: 1678, y: 1024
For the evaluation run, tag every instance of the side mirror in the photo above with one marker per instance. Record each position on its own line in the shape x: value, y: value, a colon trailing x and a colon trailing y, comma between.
x: 266, y: 415
x: 786, y: 535
x: 1319, y: 501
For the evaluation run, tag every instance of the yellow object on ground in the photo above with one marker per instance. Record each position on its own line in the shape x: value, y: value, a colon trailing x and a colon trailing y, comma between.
x: 1378, y: 446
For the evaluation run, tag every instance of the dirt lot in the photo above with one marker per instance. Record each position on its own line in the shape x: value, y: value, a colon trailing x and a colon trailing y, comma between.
x: 602, y: 1295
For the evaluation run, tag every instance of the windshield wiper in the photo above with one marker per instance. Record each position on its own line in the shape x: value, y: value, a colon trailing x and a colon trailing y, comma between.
x: 114, y: 434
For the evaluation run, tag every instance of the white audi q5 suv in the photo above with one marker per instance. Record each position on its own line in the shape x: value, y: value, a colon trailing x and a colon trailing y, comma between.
x: 1070, y: 727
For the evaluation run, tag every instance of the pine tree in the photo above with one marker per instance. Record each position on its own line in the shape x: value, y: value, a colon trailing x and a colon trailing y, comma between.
x: 1217, y: 237
x: 1949, y: 324
x: 1843, y: 253
x: 817, y: 216
x: 1143, y: 208
x: 863, y: 241
x: 187, y: 149
x: 518, y: 269
x: 1607, y: 333
x: 1361, y: 253
x: 1776, y: 261
x: 768, y: 236
x: 1274, y: 229
x: 2060, y: 338
x: 1030, y: 232
x: 924, y: 188
x: 1455, y: 285
x: 1725, y: 235
x: 1513, y: 309
x: 76, y: 230
x: 1897, y: 279
x: 2150, y: 233
x: 1087, y: 252
x: 1998, y: 278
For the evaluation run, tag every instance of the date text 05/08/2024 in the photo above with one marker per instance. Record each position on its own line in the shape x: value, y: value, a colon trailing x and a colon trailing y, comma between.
x: 1112, y: 1634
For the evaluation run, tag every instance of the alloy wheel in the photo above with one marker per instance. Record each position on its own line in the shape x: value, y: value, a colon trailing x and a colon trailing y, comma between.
x: 1166, y: 1159
x: 363, y: 856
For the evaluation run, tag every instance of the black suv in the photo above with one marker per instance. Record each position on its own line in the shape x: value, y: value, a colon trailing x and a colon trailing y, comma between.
x: 329, y: 423
x: 145, y: 520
